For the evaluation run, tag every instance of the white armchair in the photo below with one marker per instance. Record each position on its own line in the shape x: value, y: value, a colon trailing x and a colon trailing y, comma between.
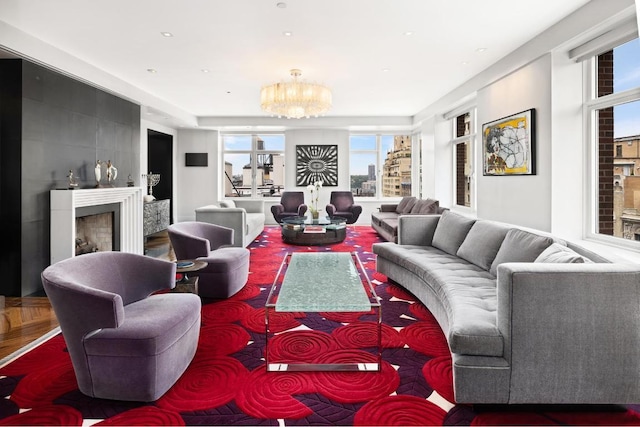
x: 245, y: 216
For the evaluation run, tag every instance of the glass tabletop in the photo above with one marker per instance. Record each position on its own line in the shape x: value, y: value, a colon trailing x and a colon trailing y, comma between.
x: 321, y: 281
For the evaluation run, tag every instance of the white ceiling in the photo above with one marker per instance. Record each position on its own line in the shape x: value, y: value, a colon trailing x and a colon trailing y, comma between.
x: 345, y: 44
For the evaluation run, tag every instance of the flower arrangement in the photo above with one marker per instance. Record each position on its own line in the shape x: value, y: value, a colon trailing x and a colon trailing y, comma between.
x: 314, y: 189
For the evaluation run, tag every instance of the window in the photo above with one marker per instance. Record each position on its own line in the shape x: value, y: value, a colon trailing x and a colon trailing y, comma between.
x: 462, y: 144
x: 614, y: 114
x: 380, y: 165
x: 253, y: 165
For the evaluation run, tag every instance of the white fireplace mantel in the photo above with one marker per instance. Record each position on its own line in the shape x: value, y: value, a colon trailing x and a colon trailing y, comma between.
x: 63, y: 217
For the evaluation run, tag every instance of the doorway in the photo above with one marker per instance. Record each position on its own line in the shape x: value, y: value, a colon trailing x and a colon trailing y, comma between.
x: 160, y: 161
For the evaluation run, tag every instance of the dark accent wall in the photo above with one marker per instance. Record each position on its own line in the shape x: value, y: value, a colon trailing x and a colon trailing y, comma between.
x: 606, y: 148
x: 53, y: 124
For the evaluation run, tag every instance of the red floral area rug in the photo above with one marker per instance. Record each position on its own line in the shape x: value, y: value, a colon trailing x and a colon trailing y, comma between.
x: 227, y: 383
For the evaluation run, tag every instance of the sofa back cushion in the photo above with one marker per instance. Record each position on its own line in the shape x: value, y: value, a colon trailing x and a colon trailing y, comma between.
x: 451, y: 231
x: 405, y: 205
x: 520, y: 246
x: 425, y: 207
x: 482, y: 243
x: 227, y: 204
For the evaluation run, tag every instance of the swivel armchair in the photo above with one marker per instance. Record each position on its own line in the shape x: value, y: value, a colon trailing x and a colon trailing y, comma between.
x: 291, y: 204
x: 228, y: 266
x: 124, y: 342
x: 341, y: 204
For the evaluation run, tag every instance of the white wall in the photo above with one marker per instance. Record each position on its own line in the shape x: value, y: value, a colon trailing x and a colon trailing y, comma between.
x: 198, y: 185
x: 524, y: 200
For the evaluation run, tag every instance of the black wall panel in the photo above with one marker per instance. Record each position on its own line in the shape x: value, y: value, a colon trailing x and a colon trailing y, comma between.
x: 63, y: 125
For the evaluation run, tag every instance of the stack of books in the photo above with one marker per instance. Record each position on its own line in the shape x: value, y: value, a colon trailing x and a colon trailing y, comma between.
x: 291, y: 226
x: 314, y: 229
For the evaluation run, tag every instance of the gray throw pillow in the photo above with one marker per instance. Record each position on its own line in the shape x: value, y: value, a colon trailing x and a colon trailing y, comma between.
x: 558, y: 253
x: 405, y: 205
x: 520, y: 246
x: 451, y: 231
x: 482, y: 243
x: 227, y: 204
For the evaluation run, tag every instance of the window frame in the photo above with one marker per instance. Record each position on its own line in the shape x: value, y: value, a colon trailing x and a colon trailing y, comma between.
x: 253, y: 153
x: 415, y: 140
x: 471, y: 138
x: 592, y: 104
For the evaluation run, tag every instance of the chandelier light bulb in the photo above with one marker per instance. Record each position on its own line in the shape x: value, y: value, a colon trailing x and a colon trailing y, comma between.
x: 295, y: 99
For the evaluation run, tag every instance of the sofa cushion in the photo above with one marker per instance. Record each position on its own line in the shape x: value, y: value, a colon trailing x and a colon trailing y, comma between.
x: 520, y: 246
x: 557, y: 253
x: 482, y: 243
x: 425, y: 207
x: 405, y: 205
x: 451, y: 231
x: 227, y: 204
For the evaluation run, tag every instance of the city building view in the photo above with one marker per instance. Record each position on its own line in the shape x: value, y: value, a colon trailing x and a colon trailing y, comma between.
x: 626, y: 195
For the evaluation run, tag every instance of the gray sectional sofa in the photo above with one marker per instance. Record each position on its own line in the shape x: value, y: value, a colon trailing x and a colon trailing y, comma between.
x: 385, y: 221
x: 245, y: 216
x: 529, y: 318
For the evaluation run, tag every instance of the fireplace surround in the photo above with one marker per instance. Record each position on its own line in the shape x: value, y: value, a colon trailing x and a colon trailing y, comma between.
x: 64, y: 206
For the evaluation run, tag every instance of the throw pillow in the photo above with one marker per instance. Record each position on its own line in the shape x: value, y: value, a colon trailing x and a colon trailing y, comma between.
x: 520, y: 246
x: 425, y: 207
x: 482, y: 243
x: 451, y: 231
x: 558, y: 253
x: 405, y: 205
x: 227, y: 204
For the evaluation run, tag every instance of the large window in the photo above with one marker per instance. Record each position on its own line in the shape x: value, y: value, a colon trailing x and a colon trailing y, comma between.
x: 614, y: 116
x: 253, y: 165
x: 380, y: 165
x: 462, y: 145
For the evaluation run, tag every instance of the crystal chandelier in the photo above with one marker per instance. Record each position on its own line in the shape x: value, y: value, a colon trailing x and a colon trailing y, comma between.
x: 295, y: 99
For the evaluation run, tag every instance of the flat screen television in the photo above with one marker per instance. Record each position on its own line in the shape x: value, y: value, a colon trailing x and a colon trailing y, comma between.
x: 196, y: 159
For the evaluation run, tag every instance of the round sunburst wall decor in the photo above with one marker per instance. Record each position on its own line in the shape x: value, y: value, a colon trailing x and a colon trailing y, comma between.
x: 317, y: 163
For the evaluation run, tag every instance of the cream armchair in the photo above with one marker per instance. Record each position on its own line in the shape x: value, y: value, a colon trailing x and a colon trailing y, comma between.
x: 245, y: 216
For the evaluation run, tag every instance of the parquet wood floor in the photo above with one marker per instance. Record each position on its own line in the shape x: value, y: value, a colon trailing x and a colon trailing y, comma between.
x: 24, y: 320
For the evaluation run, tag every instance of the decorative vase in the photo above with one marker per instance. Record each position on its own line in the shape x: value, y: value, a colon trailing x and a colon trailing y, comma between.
x: 315, y: 214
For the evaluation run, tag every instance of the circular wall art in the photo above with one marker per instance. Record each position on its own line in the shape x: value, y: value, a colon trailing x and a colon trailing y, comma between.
x: 317, y: 163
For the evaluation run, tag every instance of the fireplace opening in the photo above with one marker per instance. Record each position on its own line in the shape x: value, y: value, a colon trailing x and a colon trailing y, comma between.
x: 97, y: 228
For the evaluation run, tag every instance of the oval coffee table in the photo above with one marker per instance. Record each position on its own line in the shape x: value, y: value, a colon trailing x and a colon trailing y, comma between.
x: 301, y: 230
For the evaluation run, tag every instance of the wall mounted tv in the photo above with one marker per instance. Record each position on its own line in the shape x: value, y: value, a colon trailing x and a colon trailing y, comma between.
x: 196, y: 159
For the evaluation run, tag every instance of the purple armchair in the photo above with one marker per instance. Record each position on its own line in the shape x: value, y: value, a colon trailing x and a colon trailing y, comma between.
x: 291, y: 204
x: 341, y: 204
x: 228, y: 266
x: 124, y: 342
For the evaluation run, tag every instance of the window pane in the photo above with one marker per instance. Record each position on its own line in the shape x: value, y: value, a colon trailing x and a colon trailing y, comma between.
x: 619, y: 69
x: 463, y: 173
x: 396, y: 171
x: 270, y: 175
x: 271, y: 142
x: 619, y: 170
x: 237, y: 142
x: 362, y: 142
x: 362, y: 167
x: 237, y: 175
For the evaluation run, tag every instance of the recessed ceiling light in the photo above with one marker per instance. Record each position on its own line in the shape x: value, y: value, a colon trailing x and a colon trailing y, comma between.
x: 385, y: 70
x: 481, y: 49
x: 152, y: 70
x: 204, y: 70
x: 465, y: 63
x: 228, y: 91
x: 287, y: 33
x: 166, y: 34
x: 281, y: 5
x: 409, y: 33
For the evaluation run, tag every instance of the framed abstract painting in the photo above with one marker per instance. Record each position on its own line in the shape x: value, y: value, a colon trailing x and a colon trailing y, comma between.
x: 317, y: 163
x: 508, y: 145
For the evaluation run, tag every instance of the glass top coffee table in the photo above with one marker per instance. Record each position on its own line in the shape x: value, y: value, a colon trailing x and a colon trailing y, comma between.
x: 322, y: 282
x: 301, y: 230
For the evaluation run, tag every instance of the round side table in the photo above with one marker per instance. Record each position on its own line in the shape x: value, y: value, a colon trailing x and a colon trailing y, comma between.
x: 187, y: 284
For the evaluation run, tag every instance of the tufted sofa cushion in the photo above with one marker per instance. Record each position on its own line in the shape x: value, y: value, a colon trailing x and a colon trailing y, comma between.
x: 467, y: 292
